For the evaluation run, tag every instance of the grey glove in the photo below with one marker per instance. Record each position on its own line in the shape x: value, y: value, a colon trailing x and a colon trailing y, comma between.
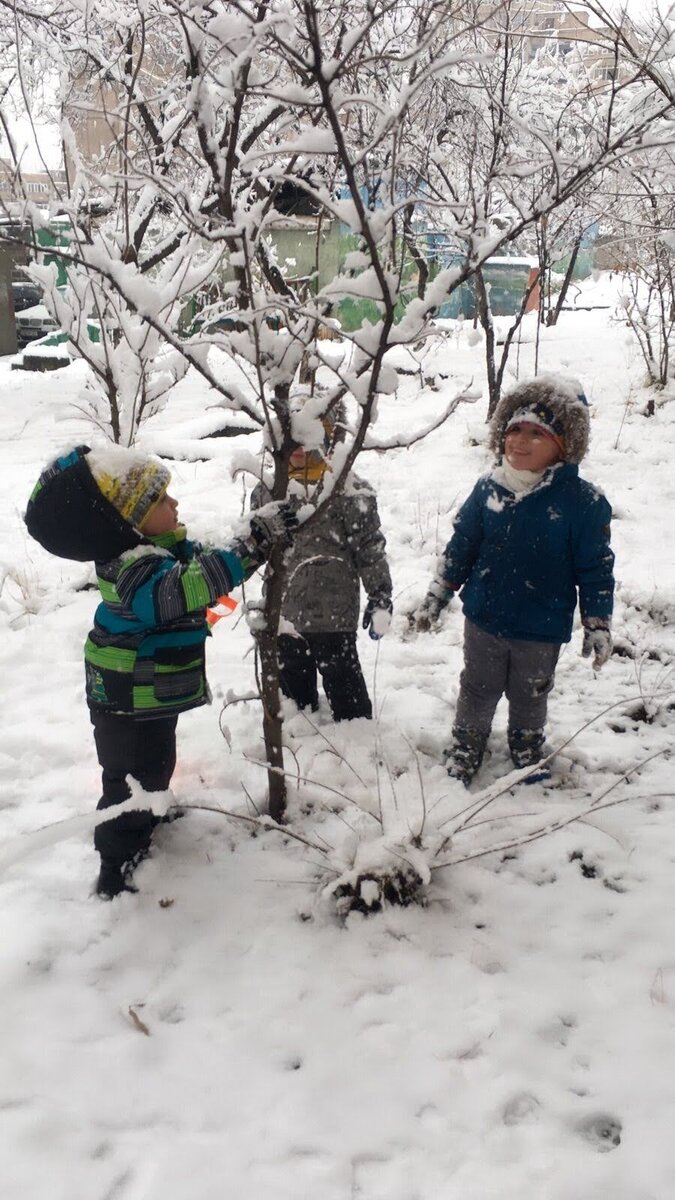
x: 428, y: 612
x: 597, y: 641
x: 276, y: 522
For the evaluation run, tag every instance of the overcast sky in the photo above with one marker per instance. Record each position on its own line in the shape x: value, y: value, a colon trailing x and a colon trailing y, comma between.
x: 31, y: 156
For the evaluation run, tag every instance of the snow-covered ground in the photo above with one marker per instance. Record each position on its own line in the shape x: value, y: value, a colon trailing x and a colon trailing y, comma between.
x: 223, y: 1035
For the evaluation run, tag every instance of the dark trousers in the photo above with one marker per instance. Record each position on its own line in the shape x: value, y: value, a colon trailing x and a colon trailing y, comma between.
x: 146, y: 750
x: 496, y: 666
x: 335, y: 657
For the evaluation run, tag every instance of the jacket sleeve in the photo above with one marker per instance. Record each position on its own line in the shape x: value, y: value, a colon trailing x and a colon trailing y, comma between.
x: 367, y: 543
x: 463, y: 548
x: 594, y: 558
x: 156, y: 588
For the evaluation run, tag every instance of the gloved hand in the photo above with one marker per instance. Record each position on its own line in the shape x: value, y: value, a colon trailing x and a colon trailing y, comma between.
x: 597, y: 641
x: 428, y: 612
x: 377, y: 616
x: 276, y: 522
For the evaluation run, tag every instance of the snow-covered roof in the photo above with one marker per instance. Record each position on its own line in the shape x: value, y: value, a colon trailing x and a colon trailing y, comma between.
x: 501, y: 260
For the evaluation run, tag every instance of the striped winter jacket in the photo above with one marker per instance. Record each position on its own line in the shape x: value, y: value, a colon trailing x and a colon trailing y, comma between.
x: 145, y: 655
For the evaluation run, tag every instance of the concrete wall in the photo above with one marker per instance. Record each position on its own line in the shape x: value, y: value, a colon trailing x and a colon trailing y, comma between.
x: 299, y: 245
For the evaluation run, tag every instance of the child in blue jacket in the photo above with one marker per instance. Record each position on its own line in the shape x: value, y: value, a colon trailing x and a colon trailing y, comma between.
x: 529, y: 538
x: 144, y: 657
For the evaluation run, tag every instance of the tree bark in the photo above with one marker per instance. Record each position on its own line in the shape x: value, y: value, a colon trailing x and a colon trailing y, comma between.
x: 553, y: 314
x: 269, y: 686
x: 485, y: 318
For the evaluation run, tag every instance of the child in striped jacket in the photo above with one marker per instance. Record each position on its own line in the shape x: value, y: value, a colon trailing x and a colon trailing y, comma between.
x: 144, y: 656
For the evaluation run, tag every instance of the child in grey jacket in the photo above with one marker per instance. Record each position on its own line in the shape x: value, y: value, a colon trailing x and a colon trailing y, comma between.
x: 341, y: 547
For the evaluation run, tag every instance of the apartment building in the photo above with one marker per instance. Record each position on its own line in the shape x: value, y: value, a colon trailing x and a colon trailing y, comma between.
x: 41, y: 187
x: 571, y: 29
x: 558, y: 29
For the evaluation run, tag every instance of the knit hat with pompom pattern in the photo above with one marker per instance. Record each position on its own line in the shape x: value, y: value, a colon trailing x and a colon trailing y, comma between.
x: 131, y: 481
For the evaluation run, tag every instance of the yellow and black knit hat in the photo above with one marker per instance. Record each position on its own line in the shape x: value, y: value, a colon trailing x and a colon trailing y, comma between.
x: 129, y: 480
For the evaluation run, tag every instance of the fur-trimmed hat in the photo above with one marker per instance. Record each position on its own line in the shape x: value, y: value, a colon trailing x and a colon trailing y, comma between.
x: 554, y: 402
x: 70, y: 515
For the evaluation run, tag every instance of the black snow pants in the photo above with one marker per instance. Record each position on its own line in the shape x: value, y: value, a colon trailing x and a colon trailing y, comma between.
x: 335, y: 657
x: 146, y: 750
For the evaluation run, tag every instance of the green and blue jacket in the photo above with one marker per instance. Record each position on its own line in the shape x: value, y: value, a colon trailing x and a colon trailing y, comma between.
x: 145, y: 655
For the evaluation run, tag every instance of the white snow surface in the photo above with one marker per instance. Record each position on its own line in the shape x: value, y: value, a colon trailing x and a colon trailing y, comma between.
x: 224, y: 1034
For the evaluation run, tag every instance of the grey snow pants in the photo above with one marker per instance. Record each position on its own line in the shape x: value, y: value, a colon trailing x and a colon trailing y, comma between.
x: 496, y: 666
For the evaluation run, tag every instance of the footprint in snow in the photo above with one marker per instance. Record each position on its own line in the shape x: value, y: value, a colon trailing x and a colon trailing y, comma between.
x: 520, y: 1108
x: 601, y: 1131
x: 558, y: 1032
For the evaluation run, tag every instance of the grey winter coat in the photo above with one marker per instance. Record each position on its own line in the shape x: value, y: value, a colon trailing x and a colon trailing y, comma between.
x: 339, y: 548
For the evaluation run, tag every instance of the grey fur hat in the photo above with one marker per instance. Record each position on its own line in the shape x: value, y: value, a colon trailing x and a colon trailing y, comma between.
x: 556, y: 402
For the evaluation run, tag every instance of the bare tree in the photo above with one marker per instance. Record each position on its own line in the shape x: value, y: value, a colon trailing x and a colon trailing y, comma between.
x: 638, y: 199
x: 212, y: 113
x: 639, y: 218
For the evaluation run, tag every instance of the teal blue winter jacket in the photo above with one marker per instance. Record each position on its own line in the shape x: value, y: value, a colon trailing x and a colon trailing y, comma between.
x: 520, y: 560
x: 145, y: 655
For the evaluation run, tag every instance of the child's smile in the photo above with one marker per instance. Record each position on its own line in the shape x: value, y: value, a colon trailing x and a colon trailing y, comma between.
x: 528, y: 447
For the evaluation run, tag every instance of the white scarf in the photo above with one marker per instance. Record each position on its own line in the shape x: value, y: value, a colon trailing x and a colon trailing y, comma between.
x: 517, y: 482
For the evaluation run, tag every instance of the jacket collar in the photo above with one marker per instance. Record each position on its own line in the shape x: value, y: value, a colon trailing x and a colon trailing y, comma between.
x: 554, y: 474
x: 169, y: 540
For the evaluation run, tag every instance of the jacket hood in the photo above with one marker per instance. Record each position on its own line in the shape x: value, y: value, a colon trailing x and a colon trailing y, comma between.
x: 563, y: 401
x: 70, y: 517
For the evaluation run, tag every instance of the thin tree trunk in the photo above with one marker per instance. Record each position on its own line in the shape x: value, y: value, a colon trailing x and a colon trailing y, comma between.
x: 552, y: 315
x: 269, y: 686
x: 485, y: 318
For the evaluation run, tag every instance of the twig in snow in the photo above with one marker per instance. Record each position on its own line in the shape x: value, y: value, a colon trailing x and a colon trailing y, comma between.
x: 250, y: 799
x: 482, y: 801
x: 263, y: 822
x: 316, y: 783
x: 555, y: 826
x: 416, y: 837
x: 137, y: 1023
x: 333, y: 748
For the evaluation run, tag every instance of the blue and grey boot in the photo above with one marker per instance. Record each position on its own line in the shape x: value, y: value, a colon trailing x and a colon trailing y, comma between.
x: 527, y: 749
x: 465, y: 755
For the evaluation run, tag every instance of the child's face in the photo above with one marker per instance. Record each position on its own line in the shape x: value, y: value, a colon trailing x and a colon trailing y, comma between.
x: 162, y: 518
x: 530, y: 448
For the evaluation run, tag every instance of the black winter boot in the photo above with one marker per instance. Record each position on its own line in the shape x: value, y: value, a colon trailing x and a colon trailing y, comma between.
x: 527, y: 749
x: 113, y: 880
x: 466, y: 754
